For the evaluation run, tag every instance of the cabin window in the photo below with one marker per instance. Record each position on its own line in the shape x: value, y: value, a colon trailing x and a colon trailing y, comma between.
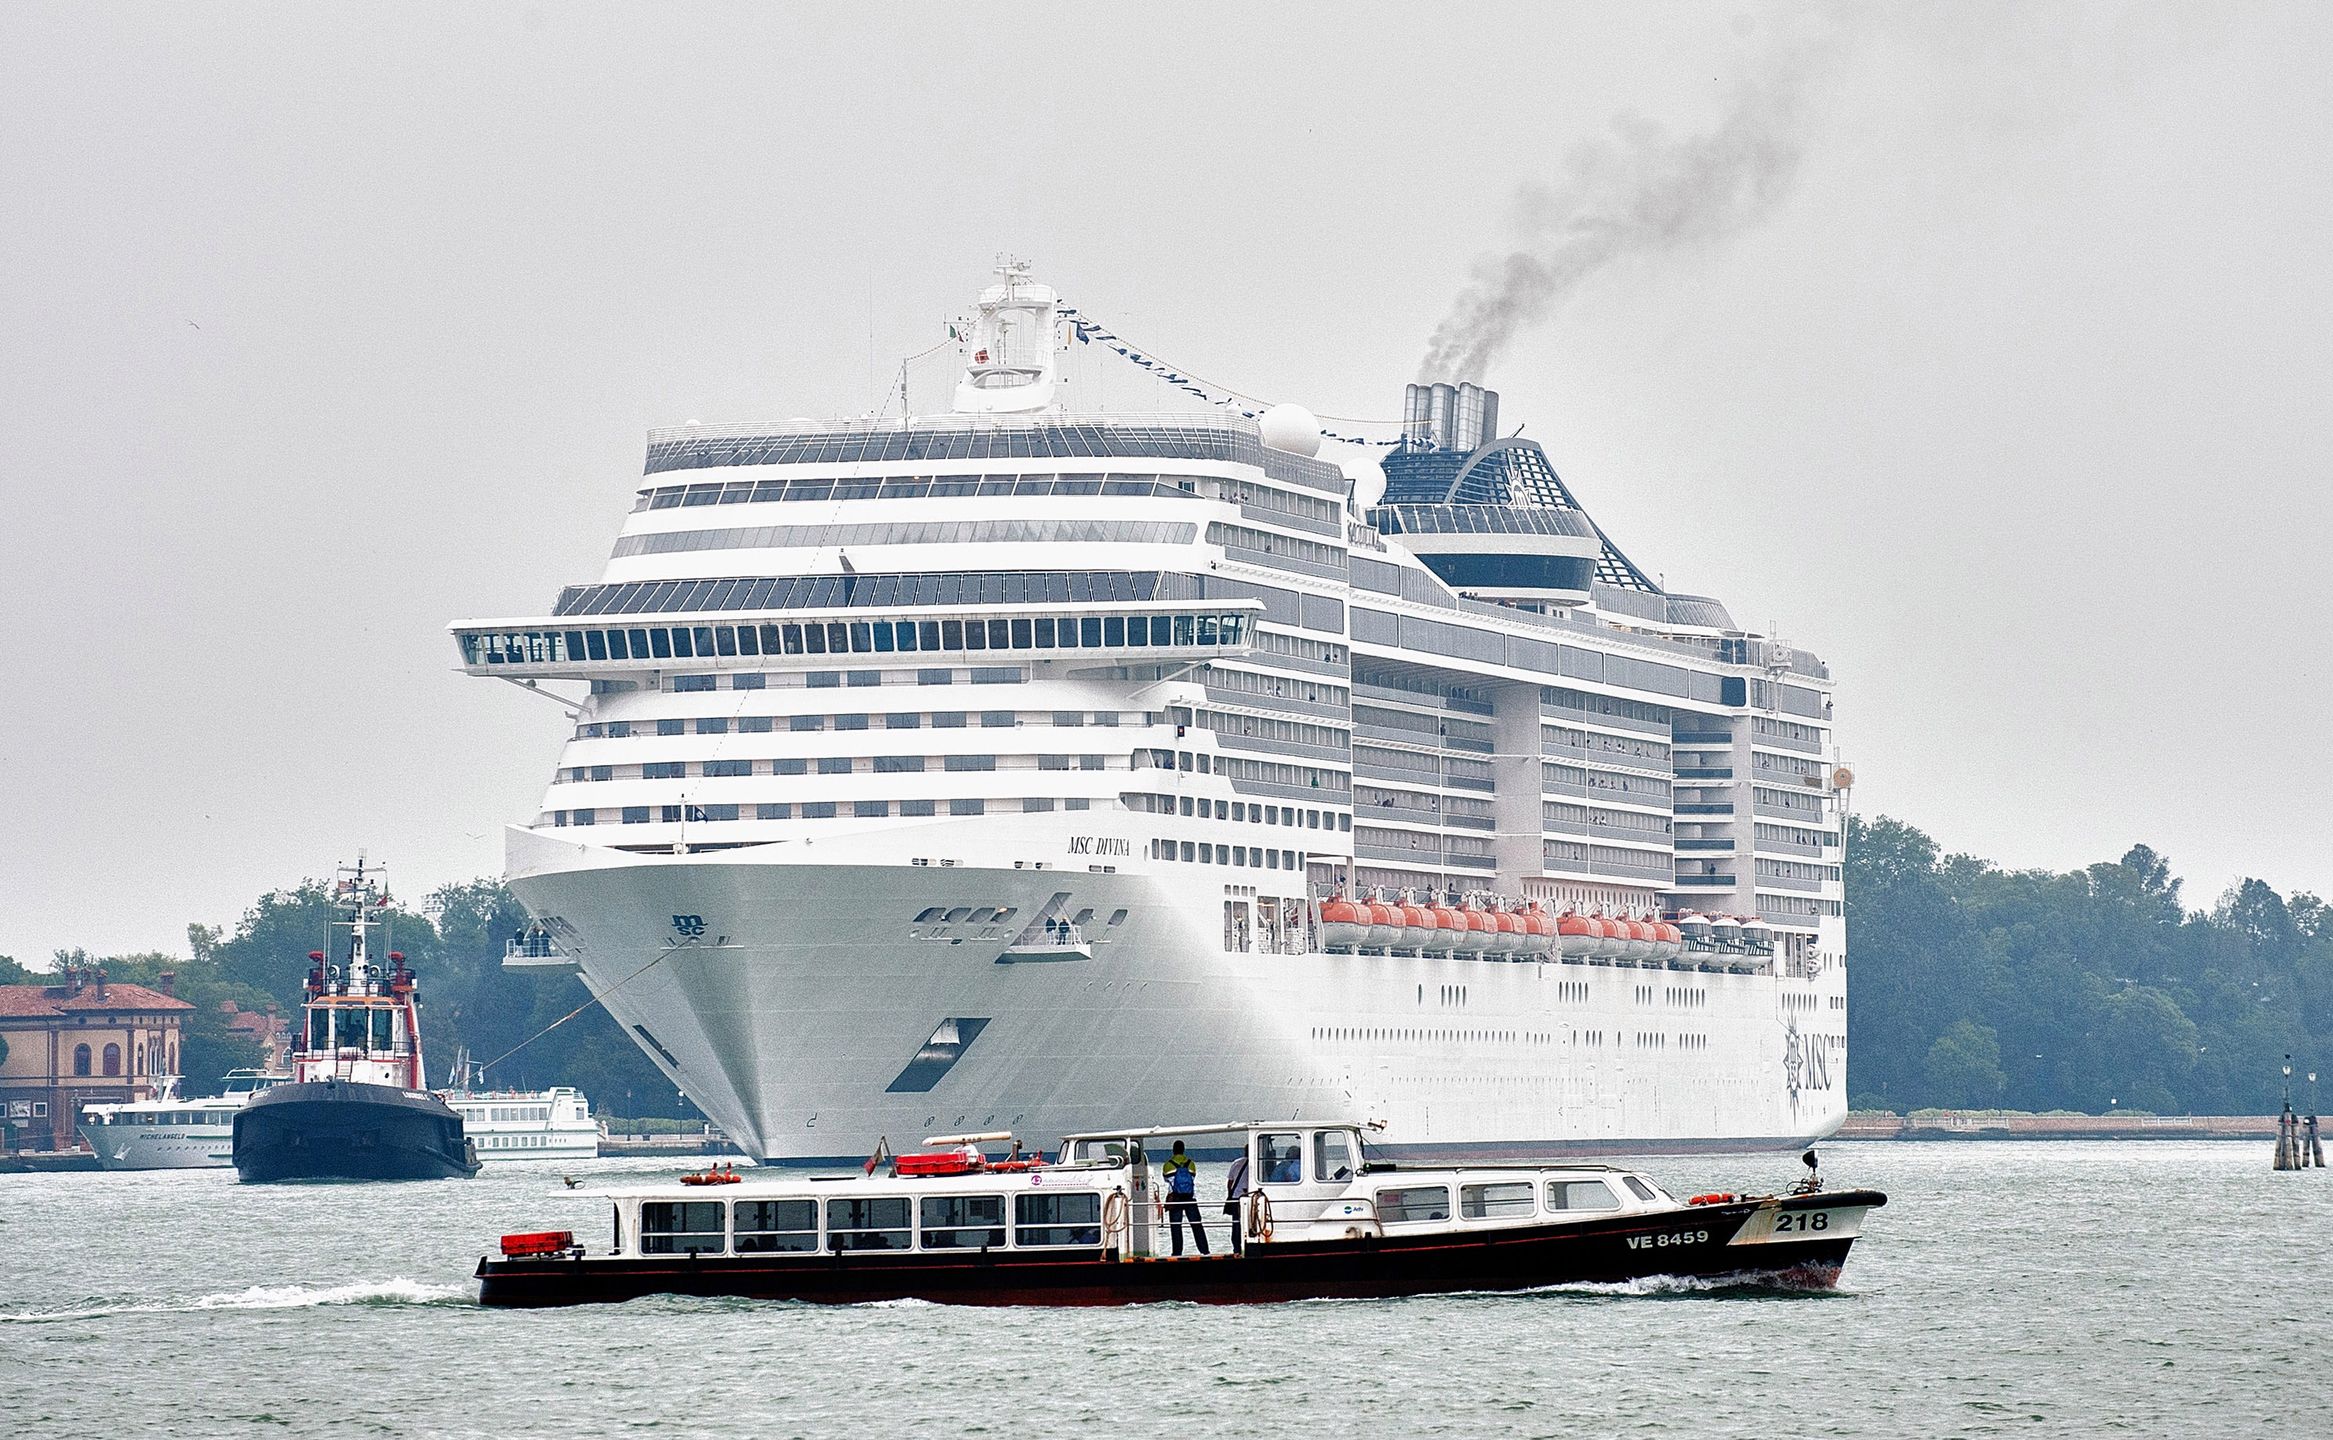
x: 319, y: 1030
x: 775, y: 1225
x: 1581, y: 1195
x: 1638, y: 1188
x: 680, y: 1227
x: 1503, y: 1201
x: 1413, y: 1202
x: 873, y: 1224
x: 963, y: 1222
x: 1279, y: 1159
x: 1068, y: 1218
x: 1332, y: 1156
x: 381, y: 1028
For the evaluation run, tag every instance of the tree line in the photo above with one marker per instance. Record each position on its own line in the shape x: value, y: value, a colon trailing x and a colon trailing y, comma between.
x: 2091, y: 990
x: 454, y: 943
x: 1968, y: 986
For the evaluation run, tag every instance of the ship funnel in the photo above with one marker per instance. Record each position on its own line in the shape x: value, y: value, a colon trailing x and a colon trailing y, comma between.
x: 1449, y: 417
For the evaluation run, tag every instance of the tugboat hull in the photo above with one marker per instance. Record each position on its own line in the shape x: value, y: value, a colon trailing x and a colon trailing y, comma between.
x: 344, y: 1130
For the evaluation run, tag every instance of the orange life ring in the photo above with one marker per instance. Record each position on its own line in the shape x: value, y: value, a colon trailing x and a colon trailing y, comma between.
x: 1259, y: 1215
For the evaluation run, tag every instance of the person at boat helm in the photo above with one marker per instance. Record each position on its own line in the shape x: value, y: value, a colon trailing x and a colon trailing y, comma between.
x: 1182, y: 1198
x: 1235, y: 1189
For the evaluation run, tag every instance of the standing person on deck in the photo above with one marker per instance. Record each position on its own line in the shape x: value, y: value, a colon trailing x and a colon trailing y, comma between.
x: 1182, y: 1198
x: 1235, y: 1189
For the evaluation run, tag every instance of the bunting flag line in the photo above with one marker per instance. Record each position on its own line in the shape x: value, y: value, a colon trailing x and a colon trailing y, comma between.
x: 1088, y: 331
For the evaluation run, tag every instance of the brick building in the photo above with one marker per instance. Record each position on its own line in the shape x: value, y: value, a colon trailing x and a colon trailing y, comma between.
x: 264, y: 1028
x: 78, y: 1041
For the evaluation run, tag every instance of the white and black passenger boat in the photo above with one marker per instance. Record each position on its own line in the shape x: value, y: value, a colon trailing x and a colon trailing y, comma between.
x: 1322, y: 1220
x: 356, y: 1107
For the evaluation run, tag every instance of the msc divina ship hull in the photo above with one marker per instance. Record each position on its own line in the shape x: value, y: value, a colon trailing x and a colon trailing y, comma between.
x: 812, y: 1015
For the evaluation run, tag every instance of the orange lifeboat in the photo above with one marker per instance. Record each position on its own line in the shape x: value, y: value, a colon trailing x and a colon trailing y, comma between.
x: 1449, y: 927
x: 1615, y: 938
x: 1641, y: 944
x: 1384, y: 925
x: 1539, y: 935
x: 1511, y: 939
x: 1481, y: 930
x: 1417, y: 927
x: 1343, y: 924
x: 1577, y: 936
x: 1670, y: 938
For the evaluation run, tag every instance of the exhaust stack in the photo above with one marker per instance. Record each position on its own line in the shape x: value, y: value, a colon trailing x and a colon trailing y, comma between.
x: 1461, y: 417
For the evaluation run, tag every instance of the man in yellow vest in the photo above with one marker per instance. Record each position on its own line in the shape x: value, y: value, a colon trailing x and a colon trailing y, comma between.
x: 1181, y: 1173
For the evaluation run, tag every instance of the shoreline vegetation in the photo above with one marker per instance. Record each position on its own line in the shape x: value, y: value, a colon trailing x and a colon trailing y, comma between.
x: 2030, y: 997
x: 2094, y: 991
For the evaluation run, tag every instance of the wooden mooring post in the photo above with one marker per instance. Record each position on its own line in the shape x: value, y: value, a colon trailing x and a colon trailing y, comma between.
x: 2298, y: 1145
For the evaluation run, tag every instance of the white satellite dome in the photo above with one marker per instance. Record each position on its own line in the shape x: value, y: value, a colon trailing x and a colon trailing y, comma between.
x: 1291, y: 428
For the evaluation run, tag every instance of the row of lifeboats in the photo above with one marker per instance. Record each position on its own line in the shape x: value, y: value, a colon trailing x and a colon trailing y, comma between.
x: 1348, y: 923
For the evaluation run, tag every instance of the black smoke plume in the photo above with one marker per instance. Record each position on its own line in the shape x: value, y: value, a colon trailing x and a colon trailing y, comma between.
x: 1637, y: 193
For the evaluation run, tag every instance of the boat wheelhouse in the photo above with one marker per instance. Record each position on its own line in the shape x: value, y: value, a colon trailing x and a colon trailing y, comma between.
x: 1322, y: 1219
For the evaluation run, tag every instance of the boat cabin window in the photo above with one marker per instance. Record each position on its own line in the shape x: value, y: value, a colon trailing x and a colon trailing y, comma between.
x: 1505, y: 1200
x: 761, y: 1226
x: 1279, y: 1159
x: 1639, y: 1189
x: 963, y: 1222
x: 1414, y: 1202
x: 1581, y: 1195
x: 319, y: 1029
x: 1332, y: 1155
x: 879, y: 1223
x: 1063, y: 1218
x: 681, y: 1227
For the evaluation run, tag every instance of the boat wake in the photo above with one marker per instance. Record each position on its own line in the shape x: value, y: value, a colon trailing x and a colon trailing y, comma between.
x: 399, y: 1291
x: 1798, y: 1280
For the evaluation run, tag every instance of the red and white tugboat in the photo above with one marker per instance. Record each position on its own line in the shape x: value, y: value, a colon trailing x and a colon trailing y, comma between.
x: 1321, y: 1219
x: 356, y: 1107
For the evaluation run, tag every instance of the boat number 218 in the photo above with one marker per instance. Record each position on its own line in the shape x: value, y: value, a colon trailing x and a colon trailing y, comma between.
x: 1803, y: 1220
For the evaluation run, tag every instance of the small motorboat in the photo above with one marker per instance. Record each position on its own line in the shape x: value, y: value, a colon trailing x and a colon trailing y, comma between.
x: 1323, y: 1219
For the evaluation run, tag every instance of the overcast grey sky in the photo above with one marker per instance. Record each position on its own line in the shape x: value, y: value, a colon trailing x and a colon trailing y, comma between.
x: 326, y: 325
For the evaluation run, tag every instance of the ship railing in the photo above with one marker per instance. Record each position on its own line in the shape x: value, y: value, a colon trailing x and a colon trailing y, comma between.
x: 1209, y: 420
x: 535, y: 951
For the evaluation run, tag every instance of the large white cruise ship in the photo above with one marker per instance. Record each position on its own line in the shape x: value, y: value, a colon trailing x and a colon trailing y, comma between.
x: 1022, y: 767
